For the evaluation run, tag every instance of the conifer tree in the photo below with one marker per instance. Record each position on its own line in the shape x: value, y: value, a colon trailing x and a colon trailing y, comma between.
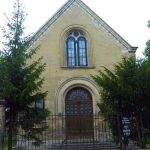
x: 125, y: 91
x: 21, y: 82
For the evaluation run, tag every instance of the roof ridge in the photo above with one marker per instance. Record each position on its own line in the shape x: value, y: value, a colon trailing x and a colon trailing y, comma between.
x: 40, y: 31
x: 111, y: 30
x: 64, y: 7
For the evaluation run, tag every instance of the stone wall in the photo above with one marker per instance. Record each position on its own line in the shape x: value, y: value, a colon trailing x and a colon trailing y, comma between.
x: 1, y: 122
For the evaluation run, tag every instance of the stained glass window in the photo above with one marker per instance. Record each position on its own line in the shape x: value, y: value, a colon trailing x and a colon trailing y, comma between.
x: 71, y: 58
x: 82, y: 52
x: 76, y: 47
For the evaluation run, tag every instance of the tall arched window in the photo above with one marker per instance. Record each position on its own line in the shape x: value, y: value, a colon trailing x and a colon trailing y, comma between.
x: 82, y: 51
x: 76, y: 49
x: 71, y: 53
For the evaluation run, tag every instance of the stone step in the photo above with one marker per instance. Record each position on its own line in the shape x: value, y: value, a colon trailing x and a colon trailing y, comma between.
x: 84, y: 146
x: 70, y: 145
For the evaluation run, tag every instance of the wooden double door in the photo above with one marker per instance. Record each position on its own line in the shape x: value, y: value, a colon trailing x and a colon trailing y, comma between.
x: 79, y: 113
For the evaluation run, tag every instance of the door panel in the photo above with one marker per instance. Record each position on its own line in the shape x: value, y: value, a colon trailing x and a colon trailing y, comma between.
x: 79, y: 113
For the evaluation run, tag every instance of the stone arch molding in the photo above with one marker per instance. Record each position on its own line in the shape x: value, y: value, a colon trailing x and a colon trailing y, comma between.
x: 66, y: 30
x: 68, y: 84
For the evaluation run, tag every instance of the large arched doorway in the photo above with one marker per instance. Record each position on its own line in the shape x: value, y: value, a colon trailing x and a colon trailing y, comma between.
x: 79, y: 112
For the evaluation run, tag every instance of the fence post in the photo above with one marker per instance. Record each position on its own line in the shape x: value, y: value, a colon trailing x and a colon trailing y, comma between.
x: 1, y: 122
x: 119, y: 130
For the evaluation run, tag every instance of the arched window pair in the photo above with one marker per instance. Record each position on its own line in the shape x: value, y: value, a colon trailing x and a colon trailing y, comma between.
x: 76, y: 46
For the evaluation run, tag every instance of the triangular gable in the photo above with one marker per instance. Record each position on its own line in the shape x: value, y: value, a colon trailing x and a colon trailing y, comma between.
x: 100, y: 22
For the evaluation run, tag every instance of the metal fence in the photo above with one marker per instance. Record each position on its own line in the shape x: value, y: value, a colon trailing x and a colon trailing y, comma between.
x: 76, y: 133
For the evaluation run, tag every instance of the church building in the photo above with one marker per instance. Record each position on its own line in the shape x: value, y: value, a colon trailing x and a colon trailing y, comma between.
x: 75, y: 43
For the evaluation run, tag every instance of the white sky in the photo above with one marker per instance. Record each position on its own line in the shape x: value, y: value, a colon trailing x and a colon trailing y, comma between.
x: 127, y: 17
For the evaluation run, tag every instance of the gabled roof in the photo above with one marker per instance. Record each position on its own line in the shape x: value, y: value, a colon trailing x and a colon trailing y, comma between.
x: 101, y: 22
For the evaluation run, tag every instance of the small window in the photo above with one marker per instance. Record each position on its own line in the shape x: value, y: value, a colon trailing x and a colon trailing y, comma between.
x: 76, y: 49
x: 39, y: 104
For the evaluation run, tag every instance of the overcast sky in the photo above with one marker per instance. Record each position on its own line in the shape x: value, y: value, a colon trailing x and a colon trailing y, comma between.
x: 127, y: 17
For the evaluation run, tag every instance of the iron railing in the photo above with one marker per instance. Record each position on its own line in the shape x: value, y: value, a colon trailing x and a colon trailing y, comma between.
x: 115, y: 132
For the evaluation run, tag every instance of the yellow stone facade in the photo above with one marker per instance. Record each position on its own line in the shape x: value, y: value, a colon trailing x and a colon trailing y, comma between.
x: 105, y: 48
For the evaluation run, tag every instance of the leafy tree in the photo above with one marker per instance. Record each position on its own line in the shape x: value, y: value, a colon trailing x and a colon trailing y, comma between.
x: 125, y: 90
x: 147, y: 49
x: 20, y: 82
